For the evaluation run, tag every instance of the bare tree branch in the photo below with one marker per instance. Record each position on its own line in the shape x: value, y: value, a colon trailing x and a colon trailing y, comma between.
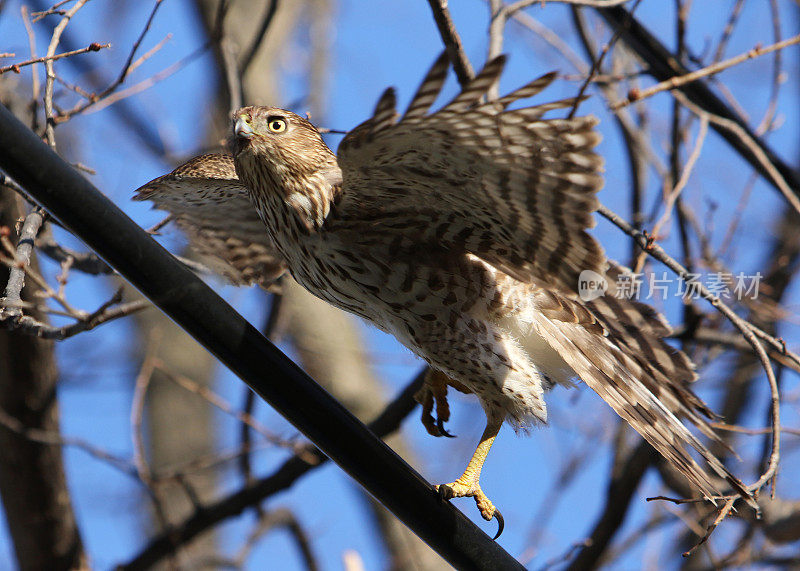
x: 284, y: 477
x: 678, y: 81
x: 452, y: 41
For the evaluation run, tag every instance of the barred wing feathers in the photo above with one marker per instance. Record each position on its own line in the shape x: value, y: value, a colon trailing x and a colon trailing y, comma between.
x: 511, y: 187
x: 211, y: 206
x: 623, y: 358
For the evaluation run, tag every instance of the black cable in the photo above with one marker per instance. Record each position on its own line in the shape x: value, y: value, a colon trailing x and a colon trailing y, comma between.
x: 93, y: 218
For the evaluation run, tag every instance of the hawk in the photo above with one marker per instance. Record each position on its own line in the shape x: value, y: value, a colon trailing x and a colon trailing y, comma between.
x: 463, y: 232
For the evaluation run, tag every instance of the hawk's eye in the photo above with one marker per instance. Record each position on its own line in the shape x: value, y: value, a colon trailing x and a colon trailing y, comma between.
x: 276, y: 124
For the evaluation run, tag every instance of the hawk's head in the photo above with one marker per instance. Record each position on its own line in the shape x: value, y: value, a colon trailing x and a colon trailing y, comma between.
x: 282, y: 141
x: 277, y: 153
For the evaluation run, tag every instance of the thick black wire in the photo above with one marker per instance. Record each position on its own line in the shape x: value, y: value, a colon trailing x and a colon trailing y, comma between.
x: 81, y: 208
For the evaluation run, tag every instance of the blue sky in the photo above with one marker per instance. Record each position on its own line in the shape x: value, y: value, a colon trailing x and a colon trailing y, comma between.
x: 378, y: 44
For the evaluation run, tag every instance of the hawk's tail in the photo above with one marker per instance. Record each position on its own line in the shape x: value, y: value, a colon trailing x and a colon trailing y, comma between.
x: 615, y: 347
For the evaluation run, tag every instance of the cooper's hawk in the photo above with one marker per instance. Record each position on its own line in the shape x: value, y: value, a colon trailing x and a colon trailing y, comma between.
x: 463, y: 232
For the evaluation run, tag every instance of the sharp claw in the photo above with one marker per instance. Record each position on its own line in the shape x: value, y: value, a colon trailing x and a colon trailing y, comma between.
x: 428, y: 422
x: 445, y: 492
x: 500, y: 522
x: 442, y: 430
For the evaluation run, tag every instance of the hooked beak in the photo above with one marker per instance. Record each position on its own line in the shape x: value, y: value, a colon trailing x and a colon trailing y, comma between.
x: 242, y: 129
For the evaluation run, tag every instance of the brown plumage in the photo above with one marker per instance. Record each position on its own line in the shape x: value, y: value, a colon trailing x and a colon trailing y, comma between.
x: 209, y: 204
x: 463, y: 232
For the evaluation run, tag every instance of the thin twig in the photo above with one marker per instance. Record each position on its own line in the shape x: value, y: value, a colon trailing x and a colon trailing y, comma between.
x: 501, y: 13
x: 29, y: 325
x: 678, y: 81
x: 551, y: 38
x: 766, y: 122
x: 50, y: 76
x: 156, y: 228
x: 143, y: 380
x: 108, y: 97
x: 752, y: 145
x: 52, y: 10
x: 217, y: 401
x: 751, y: 431
x: 727, y: 32
x: 127, y: 67
x: 149, y: 53
x: 723, y: 513
x: 279, y: 518
x: 522, y: 4
x: 663, y: 64
x: 86, y: 262
x: 674, y: 194
x: 93, y: 47
x: 54, y: 438
x: 596, y: 63
x: 129, y: 62
x: 734, y: 340
x: 35, y: 83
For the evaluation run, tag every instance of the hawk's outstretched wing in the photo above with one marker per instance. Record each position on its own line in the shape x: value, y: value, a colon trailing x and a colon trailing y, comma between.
x: 506, y: 185
x: 210, y: 205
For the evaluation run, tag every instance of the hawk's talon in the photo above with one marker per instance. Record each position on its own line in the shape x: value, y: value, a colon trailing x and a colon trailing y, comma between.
x: 445, y: 492
x: 500, y: 522
x: 442, y: 430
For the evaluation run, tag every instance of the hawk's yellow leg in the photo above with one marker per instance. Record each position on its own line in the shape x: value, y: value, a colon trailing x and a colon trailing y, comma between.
x: 468, y: 484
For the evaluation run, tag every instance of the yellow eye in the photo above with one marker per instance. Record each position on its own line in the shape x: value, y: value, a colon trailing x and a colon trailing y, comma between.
x: 276, y: 124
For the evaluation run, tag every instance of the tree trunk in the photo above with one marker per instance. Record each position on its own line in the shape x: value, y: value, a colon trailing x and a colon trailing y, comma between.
x: 33, y: 483
x: 179, y: 425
